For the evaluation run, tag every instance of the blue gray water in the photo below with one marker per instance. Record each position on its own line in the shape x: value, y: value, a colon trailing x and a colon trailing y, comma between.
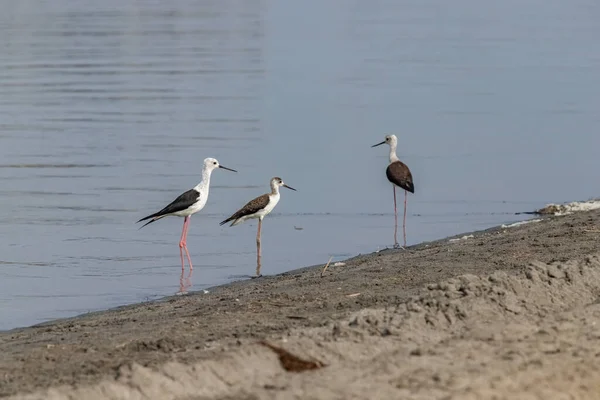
x: 107, y: 110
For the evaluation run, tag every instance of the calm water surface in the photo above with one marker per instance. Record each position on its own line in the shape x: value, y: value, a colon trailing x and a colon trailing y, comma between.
x: 107, y: 110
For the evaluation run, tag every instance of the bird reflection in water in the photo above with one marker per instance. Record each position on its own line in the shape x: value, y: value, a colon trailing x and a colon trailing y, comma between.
x: 185, y: 283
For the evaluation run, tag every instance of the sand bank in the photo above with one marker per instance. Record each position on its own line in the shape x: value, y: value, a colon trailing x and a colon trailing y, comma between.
x: 510, y: 312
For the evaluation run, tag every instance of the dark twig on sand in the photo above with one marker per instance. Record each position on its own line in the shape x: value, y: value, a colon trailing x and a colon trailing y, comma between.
x: 327, y: 265
x: 290, y: 362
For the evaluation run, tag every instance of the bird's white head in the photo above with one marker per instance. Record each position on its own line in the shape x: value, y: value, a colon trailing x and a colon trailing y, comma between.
x: 277, y: 182
x: 211, y: 164
x: 391, y: 140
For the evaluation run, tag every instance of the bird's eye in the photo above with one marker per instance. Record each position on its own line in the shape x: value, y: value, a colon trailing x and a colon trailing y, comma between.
x: 215, y: 163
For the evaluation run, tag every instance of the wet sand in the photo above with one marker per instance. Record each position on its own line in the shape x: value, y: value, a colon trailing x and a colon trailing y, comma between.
x: 510, y: 312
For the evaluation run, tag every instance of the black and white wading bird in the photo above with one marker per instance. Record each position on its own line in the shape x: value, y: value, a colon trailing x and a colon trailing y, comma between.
x: 258, y: 208
x: 188, y: 204
x: 399, y: 175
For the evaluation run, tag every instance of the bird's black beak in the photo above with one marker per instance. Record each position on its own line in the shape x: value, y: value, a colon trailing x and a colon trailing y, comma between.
x: 228, y: 169
x: 289, y: 187
x: 378, y: 144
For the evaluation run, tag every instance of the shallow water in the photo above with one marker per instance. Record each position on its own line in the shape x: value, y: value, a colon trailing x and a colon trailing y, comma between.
x: 107, y: 110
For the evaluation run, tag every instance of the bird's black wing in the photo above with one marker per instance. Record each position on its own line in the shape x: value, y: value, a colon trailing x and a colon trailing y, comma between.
x: 249, y: 208
x: 399, y: 174
x: 185, y: 200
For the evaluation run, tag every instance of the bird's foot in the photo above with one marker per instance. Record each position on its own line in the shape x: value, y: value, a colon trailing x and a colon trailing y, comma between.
x: 398, y: 247
x: 256, y: 276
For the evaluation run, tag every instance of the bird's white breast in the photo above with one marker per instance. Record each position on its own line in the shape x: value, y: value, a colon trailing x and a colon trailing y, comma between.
x: 273, y: 200
x: 201, y: 201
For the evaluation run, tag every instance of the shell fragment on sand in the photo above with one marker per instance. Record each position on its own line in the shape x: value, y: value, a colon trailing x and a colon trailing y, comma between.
x: 461, y: 238
x: 515, y: 224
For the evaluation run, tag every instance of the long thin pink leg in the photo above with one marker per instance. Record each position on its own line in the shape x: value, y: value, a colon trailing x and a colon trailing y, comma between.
x: 182, y: 243
x: 404, y: 221
x: 187, y: 253
x: 181, y: 257
x: 258, y: 252
x: 396, y: 245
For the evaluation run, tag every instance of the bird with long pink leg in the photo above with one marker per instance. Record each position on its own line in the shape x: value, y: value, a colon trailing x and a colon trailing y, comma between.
x: 399, y: 175
x: 258, y: 208
x: 188, y: 204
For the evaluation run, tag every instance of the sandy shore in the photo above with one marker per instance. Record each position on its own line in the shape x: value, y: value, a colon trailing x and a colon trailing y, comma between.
x: 508, y: 313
